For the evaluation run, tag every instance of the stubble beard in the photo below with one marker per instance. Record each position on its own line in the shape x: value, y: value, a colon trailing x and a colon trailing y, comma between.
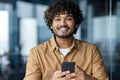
x: 63, y: 36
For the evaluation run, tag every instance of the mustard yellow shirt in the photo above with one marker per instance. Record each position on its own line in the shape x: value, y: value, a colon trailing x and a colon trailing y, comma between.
x: 45, y: 59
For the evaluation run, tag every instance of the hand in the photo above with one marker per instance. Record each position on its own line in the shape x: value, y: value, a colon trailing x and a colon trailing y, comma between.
x: 58, y: 75
x: 79, y: 75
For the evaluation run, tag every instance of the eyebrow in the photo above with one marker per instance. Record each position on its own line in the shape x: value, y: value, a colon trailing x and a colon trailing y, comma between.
x: 70, y: 15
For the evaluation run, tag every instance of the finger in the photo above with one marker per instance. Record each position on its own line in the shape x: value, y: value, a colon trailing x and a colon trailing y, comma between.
x: 71, y: 76
x: 64, y: 73
x: 64, y: 78
x: 60, y: 74
x: 73, y: 79
x: 57, y: 73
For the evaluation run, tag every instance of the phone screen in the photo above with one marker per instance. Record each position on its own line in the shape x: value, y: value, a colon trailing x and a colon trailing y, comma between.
x: 68, y: 66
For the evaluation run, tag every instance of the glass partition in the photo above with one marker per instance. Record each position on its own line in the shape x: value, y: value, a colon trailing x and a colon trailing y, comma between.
x: 101, y: 27
x: 4, y: 32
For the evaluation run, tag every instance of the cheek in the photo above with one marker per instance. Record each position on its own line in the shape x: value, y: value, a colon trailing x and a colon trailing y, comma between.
x: 71, y: 24
x: 54, y: 25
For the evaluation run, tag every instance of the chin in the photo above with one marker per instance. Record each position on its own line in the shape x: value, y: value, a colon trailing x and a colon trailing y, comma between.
x: 64, y: 36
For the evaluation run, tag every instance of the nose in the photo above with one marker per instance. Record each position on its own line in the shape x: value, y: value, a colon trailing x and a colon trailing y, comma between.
x: 63, y: 23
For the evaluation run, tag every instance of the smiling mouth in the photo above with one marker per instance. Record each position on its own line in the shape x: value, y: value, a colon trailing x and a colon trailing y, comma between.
x: 63, y: 28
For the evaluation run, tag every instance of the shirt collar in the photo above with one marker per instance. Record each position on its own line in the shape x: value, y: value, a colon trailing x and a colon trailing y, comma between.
x: 54, y: 44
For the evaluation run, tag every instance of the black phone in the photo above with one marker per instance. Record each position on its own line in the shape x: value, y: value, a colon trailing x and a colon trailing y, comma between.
x: 68, y: 66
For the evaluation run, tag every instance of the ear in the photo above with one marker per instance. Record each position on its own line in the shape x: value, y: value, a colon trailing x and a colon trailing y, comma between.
x: 51, y: 27
x: 76, y: 26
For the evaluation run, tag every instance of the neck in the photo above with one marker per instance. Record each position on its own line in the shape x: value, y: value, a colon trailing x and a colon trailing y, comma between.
x: 64, y: 42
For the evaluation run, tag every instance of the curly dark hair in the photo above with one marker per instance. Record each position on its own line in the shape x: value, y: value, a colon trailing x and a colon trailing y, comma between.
x: 60, y: 6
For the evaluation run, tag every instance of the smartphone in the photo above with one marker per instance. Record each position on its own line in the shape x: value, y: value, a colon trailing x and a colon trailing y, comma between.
x: 68, y: 66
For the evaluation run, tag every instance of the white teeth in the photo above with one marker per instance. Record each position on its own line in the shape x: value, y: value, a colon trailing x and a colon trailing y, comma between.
x: 63, y: 28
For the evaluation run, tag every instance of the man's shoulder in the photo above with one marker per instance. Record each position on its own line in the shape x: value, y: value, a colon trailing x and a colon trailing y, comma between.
x: 42, y: 45
x: 85, y: 43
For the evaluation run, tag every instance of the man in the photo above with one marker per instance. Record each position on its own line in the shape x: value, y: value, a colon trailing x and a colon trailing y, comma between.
x: 44, y: 63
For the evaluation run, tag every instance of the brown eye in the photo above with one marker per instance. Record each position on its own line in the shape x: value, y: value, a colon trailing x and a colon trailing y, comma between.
x: 56, y: 19
x: 69, y: 19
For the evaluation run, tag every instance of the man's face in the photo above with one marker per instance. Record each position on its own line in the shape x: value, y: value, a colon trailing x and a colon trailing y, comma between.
x: 63, y: 25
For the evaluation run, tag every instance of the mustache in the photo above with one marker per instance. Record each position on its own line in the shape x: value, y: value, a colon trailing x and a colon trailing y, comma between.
x: 63, y: 27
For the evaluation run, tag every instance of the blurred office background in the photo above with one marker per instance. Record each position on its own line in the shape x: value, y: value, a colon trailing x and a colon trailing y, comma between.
x: 22, y: 27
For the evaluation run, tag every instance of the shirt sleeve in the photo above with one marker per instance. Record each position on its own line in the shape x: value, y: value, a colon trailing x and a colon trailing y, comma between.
x: 32, y: 68
x: 98, y: 68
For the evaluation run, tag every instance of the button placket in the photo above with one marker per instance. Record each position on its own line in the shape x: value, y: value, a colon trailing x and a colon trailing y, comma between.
x: 62, y: 58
